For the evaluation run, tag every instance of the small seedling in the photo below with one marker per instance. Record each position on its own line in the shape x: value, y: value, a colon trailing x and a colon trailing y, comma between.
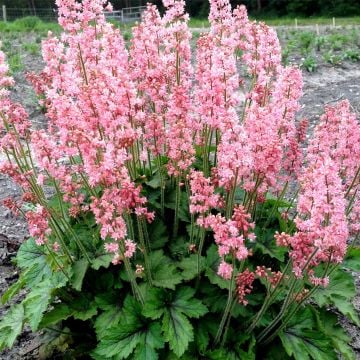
x: 332, y: 58
x: 352, y: 55
x: 310, y: 64
x: 31, y: 48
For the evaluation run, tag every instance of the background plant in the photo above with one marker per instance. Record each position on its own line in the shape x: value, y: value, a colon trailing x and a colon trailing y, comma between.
x: 171, y: 229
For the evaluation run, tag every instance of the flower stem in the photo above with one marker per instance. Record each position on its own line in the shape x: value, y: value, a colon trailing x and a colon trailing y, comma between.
x: 286, y: 302
x: 226, y: 311
x: 201, y: 245
x: 144, y: 251
x: 134, y: 286
x: 282, y: 312
x: 268, y: 301
x: 162, y: 186
x: 177, y: 207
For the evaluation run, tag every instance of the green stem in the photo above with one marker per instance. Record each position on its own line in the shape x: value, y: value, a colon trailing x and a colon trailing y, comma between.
x: 134, y: 286
x: 144, y: 251
x: 353, y: 182
x: 201, y: 245
x: 162, y: 186
x: 56, y: 261
x: 286, y: 302
x: 55, y: 227
x: 268, y: 301
x: 231, y: 198
x: 297, y: 307
x: 228, y: 323
x: 227, y: 309
x: 146, y: 235
x: 177, y: 207
x: 77, y: 241
x: 284, y: 307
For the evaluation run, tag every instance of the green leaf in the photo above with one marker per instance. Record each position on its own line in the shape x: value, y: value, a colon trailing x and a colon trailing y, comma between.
x: 175, y: 309
x: 57, y: 339
x: 120, y: 342
x: 303, y: 340
x: 79, y: 269
x: 107, y: 300
x: 270, y: 203
x: 214, y: 297
x: 29, y: 253
x: 11, y: 326
x: 212, y: 264
x: 13, y: 290
x: 202, y: 337
x: 36, y: 303
x: 187, y: 304
x: 134, y: 331
x: 352, y: 259
x: 32, y: 259
x: 86, y: 313
x: 265, y: 243
x: 250, y: 353
x: 155, y: 302
x: 334, y: 332
x: 59, y: 313
x: 154, y: 182
x: 184, y: 208
x: 158, y: 234
x: 339, y: 292
x: 83, y: 306
x: 152, y: 340
x: 54, y: 203
x: 184, y: 204
x: 58, y: 279
x: 222, y: 354
x: 164, y: 271
x: 189, y: 266
x: 177, y: 331
x: 179, y: 247
x: 103, y: 260
x: 106, y: 320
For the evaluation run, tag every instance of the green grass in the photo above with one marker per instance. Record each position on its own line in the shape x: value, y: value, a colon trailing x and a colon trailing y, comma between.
x: 32, y: 23
x: 287, y: 21
x: 15, y: 63
x: 348, y: 21
x: 29, y: 23
x: 198, y: 23
x: 31, y: 48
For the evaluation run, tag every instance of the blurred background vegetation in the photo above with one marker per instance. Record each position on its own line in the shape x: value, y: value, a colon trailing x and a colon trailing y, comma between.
x: 257, y: 8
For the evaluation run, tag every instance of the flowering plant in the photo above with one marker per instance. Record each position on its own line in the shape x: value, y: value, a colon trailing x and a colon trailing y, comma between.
x: 171, y: 210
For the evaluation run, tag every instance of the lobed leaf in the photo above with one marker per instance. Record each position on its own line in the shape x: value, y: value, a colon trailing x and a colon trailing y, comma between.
x: 79, y: 269
x: 341, y: 288
x: 36, y: 303
x: 11, y: 326
x: 304, y: 341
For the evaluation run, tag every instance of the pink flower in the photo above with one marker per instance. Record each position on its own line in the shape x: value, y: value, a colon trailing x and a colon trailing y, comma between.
x: 130, y: 248
x: 321, y: 223
x: 244, y: 285
x: 225, y: 270
x: 202, y: 197
x: 282, y: 239
x: 38, y: 225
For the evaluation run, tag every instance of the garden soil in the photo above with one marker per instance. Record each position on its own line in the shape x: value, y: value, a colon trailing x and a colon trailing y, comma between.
x: 325, y: 86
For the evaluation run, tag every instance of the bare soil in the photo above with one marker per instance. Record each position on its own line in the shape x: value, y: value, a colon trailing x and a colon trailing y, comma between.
x: 325, y: 86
